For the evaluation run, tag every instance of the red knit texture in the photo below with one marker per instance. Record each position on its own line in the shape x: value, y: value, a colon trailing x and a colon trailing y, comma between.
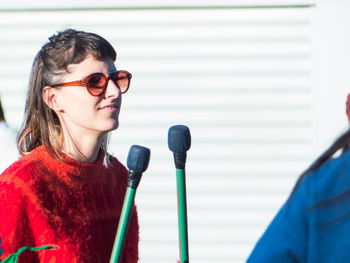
x: 70, y: 204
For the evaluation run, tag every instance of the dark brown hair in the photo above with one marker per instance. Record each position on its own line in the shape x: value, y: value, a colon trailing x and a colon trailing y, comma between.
x: 2, y: 115
x: 41, y: 125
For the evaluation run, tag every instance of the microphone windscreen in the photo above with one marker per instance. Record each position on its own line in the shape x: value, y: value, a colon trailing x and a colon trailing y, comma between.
x: 138, y: 158
x: 179, y: 138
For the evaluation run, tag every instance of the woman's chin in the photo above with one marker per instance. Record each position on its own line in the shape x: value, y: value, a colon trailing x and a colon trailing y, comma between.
x: 107, y: 126
x: 114, y: 126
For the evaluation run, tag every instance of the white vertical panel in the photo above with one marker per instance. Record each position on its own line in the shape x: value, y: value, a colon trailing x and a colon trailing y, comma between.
x: 239, y: 78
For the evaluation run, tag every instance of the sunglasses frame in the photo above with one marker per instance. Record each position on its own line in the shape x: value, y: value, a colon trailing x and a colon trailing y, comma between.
x: 83, y: 82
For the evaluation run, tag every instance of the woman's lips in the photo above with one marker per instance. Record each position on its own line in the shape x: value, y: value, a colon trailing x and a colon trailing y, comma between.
x: 109, y: 108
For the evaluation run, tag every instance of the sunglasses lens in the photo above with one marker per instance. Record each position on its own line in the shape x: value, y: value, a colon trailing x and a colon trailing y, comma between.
x: 122, y: 79
x: 96, y: 84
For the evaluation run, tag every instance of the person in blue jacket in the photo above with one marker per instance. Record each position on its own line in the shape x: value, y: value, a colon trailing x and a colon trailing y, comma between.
x: 314, y: 223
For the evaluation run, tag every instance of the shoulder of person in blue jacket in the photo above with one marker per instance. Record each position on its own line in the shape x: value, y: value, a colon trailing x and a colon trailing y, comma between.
x: 310, y: 225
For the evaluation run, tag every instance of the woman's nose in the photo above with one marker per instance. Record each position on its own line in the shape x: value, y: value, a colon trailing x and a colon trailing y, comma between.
x: 112, y: 89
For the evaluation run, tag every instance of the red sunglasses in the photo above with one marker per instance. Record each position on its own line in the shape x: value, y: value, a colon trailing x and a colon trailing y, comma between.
x: 96, y: 83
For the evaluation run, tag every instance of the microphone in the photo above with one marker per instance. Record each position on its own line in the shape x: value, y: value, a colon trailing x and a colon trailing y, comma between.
x: 179, y: 142
x: 137, y: 163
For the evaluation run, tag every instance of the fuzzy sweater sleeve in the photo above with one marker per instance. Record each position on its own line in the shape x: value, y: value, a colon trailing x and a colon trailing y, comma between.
x: 14, y: 229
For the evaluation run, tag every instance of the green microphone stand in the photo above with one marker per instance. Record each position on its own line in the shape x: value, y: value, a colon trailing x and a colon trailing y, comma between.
x: 179, y: 141
x: 137, y: 162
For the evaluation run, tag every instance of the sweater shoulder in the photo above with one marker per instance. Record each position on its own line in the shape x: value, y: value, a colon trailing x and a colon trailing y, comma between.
x: 23, y: 169
x: 118, y: 172
x: 117, y: 165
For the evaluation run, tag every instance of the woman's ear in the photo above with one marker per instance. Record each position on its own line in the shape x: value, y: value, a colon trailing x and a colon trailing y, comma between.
x: 50, y: 97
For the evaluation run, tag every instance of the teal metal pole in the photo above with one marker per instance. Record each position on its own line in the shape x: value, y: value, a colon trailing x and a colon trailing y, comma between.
x: 123, y: 225
x: 182, y: 215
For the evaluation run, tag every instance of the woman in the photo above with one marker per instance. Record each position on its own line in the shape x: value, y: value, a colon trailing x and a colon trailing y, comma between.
x: 67, y: 190
x: 314, y: 224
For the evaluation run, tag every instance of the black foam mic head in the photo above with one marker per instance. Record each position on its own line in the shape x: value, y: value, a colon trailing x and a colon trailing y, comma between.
x: 138, y: 158
x: 179, y: 139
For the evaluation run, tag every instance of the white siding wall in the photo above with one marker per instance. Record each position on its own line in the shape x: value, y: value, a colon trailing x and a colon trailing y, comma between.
x: 241, y: 79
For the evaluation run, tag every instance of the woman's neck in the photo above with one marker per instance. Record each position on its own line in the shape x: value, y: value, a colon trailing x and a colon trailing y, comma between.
x: 85, y: 149
x: 86, y: 153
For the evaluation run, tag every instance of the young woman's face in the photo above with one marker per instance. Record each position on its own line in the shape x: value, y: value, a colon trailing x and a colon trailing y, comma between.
x: 82, y: 113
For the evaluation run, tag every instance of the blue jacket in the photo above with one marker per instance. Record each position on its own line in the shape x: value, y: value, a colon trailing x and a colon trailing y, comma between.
x: 314, y: 224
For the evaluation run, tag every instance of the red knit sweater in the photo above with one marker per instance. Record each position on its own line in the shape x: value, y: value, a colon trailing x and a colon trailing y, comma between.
x: 70, y: 204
